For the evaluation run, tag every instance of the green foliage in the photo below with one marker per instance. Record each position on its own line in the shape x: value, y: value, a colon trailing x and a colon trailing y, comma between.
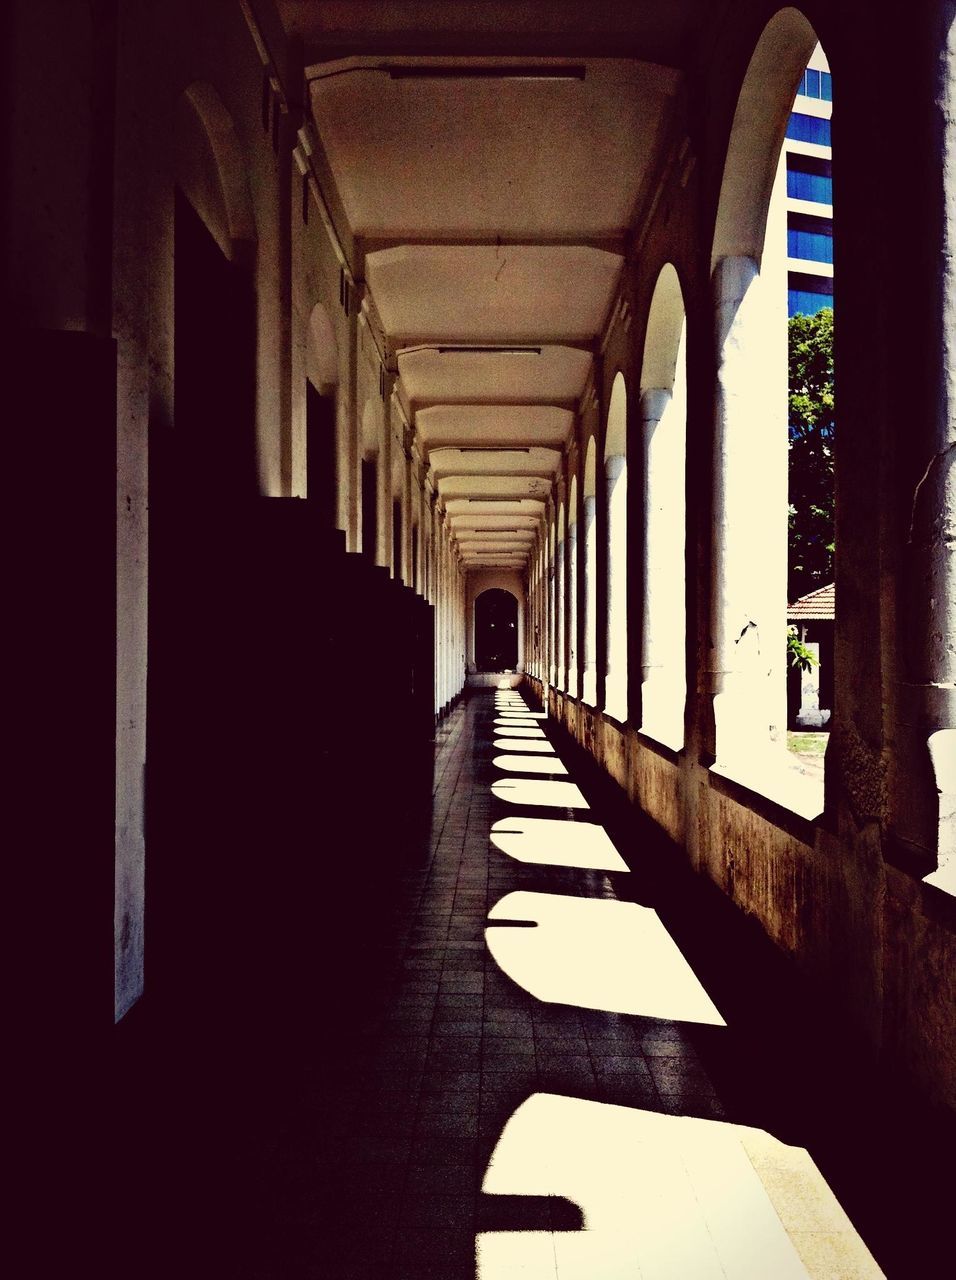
x: 798, y: 653
x: 811, y: 422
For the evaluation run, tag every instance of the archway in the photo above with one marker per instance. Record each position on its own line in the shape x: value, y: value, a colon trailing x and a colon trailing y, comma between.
x: 571, y: 681
x: 615, y: 471
x: 663, y: 437
x: 496, y: 630
x: 589, y: 585
x: 746, y: 645
x: 559, y: 675
x: 372, y: 523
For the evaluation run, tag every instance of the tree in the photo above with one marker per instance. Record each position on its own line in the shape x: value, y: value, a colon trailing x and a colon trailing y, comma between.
x: 811, y: 428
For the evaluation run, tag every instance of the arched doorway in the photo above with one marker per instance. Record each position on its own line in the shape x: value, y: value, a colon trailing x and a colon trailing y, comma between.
x: 496, y: 631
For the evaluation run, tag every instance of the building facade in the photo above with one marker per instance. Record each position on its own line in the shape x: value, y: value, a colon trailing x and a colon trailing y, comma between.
x: 808, y: 156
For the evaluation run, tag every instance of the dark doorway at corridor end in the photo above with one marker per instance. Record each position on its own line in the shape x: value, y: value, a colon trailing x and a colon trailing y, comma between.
x: 496, y: 631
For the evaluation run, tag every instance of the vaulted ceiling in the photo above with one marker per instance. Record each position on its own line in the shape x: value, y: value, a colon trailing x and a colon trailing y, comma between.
x: 490, y: 162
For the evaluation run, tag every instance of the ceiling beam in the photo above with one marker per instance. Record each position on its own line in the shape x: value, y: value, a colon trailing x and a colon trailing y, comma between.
x: 614, y: 242
x: 496, y: 345
x: 461, y: 42
x: 569, y: 405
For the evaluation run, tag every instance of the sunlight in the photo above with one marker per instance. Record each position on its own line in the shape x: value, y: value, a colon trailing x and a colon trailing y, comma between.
x: 534, y: 791
x: 663, y: 1196
x: 530, y: 715
x: 596, y: 953
x: 530, y: 764
x: 558, y: 843
x: 538, y: 745
x: 519, y: 731
x: 517, y: 720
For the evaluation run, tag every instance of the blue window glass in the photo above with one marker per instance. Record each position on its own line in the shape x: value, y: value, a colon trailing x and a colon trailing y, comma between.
x: 813, y: 83
x: 804, y: 302
x: 815, y: 246
x: 809, y: 186
x: 826, y: 86
x: 809, y: 179
x: 808, y: 129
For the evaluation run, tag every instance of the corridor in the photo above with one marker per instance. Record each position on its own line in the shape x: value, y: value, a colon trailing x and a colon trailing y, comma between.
x: 390, y: 1159
x: 486, y: 745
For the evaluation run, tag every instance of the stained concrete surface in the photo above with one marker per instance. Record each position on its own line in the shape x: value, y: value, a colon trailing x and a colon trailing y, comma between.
x: 352, y: 1139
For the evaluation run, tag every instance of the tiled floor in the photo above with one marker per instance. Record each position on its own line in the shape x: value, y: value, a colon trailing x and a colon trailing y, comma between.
x: 635, y: 1145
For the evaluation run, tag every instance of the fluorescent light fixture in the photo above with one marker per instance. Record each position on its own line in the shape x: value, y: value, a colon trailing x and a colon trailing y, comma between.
x: 473, y: 72
x: 488, y: 351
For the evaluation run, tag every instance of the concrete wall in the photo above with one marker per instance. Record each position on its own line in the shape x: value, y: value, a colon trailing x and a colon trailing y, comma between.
x: 89, y: 248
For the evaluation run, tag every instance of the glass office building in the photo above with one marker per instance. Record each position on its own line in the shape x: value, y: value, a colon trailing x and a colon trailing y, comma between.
x: 808, y: 155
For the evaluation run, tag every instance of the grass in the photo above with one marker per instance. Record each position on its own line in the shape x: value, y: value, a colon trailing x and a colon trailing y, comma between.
x: 805, y: 743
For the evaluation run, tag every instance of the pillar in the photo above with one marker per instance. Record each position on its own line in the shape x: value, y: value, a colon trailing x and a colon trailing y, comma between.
x: 749, y: 554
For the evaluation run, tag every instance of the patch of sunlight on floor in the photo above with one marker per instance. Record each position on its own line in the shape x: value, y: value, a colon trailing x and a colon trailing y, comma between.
x: 540, y: 791
x: 539, y: 746
x: 512, y: 730
x: 598, y: 954
x: 527, y: 715
x: 664, y: 1197
x: 558, y: 843
x: 530, y: 764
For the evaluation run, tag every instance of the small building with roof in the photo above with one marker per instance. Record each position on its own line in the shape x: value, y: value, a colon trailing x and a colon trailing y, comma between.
x: 810, y: 693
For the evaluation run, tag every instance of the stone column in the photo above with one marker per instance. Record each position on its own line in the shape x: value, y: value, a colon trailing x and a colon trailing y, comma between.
x: 928, y: 694
x: 749, y: 567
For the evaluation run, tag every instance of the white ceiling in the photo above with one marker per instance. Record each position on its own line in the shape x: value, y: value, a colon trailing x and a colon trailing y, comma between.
x: 490, y: 294
x: 451, y: 159
x: 491, y: 210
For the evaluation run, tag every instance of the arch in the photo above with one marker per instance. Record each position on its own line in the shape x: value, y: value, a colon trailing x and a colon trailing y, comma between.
x: 665, y: 328
x: 214, y: 182
x: 757, y: 132
x: 615, y: 432
x: 496, y: 629
x: 551, y: 604
x: 746, y: 646
x: 560, y: 600
x: 664, y: 443
x: 322, y: 352
x: 399, y: 512
x: 615, y: 473
x: 372, y: 427
x: 323, y: 461
x: 589, y: 582
x: 571, y: 592
x: 373, y: 486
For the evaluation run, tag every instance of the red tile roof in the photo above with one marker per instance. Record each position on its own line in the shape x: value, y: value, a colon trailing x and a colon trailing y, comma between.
x: 815, y: 606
